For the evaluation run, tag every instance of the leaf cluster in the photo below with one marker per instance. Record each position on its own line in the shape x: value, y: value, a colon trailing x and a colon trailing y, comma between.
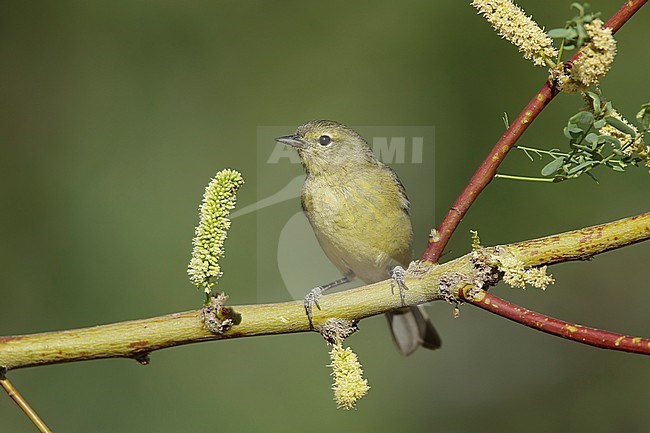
x: 573, y: 34
x: 590, y: 147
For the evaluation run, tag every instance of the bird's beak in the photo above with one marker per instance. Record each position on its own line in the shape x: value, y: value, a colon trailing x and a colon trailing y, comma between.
x: 292, y: 140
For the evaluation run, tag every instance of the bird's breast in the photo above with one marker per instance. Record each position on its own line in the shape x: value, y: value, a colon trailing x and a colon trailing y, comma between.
x: 360, y: 222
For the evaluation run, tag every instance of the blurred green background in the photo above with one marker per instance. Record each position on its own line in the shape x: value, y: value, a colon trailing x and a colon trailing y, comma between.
x: 114, y: 115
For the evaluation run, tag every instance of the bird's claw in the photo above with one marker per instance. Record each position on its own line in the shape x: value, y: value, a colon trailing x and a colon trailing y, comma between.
x: 310, y: 300
x: 397, y: 279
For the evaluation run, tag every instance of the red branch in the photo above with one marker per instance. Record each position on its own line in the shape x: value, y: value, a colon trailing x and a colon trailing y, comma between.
x: 488, y: 168
x: 559, y: 328
x: 621, y: 16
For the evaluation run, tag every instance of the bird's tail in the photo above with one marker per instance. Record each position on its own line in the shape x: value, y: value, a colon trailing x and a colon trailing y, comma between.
x: 411, y: 328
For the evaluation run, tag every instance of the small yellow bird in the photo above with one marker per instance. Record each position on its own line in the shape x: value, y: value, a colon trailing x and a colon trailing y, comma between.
x: 359, y: 211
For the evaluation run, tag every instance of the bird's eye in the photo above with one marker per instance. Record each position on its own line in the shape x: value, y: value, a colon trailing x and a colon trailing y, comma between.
x: 324, y: 140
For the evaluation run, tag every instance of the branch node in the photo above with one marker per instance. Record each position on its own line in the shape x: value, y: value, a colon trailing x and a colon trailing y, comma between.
x: 217, y: 318
x: 486, y: 266
x: 492, y: 264
x: 336, y: 330
x: 474, y: 294
x: 449, y: 284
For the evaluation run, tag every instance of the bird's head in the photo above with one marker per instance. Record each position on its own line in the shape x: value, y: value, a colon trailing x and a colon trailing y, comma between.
x: 325, y: 146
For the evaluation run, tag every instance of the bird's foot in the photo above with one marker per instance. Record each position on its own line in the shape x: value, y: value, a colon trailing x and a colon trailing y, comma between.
x: 397, y: 279
x: 310, y: 300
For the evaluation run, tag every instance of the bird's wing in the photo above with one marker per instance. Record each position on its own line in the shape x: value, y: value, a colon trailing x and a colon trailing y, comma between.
x: 402, y: 191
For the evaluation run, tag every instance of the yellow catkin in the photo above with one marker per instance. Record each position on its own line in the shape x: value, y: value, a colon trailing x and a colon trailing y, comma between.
x: 349, y: 384
x: 218, y: 200
x: 594, y: 62
x: 512, y: 23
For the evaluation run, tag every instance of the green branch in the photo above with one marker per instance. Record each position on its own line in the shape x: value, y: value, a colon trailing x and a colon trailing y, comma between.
x: 136, y: 339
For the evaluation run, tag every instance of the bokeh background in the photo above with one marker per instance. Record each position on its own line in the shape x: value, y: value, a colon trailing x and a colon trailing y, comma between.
x: 114, y: 115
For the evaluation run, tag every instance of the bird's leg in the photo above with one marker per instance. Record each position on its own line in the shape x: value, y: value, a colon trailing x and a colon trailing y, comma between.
x: 312, y: 297
x: 397, y: 279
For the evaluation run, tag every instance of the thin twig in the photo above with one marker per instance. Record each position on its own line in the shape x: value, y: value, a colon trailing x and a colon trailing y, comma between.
x: 524, y: 178
x: 488, y: 168
x: 570, y: 331
x: 22, y: 403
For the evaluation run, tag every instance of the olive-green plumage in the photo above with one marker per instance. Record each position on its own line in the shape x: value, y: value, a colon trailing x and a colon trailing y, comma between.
x: 359, y: 211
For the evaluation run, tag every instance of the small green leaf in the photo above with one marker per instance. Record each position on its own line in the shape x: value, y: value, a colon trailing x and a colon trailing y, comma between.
x: 608, y: 139
x: 553, y: 166
x: 572, y: 132
x: 608, y: 107
x: 626, y: 129
x: 582, y: 167
x: 591, y: 138
x: 595, y: 101
x: 582, y: 35
x: 582, y: 119
x: 575, y: 128
x: 560, y: 33
x: 599, y: 123
x: 589, y: 17
x: 578, y: 7
x: 643, y: 116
